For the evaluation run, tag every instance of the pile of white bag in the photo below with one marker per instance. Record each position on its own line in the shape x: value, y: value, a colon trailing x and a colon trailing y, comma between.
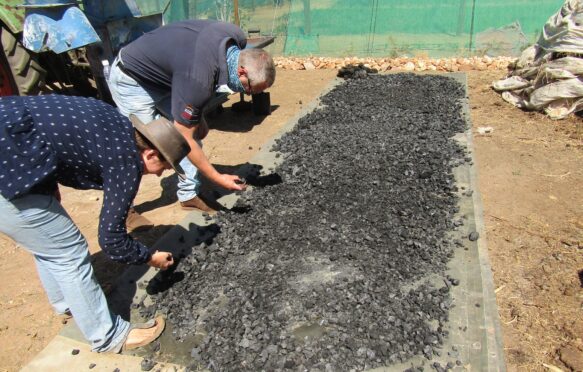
x: 549, y: 75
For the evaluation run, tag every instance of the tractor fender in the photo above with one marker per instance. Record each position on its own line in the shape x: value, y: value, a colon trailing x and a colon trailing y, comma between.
x: 58, y: 29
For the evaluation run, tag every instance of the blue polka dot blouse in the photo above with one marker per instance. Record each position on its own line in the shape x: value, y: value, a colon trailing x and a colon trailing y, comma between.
x: 78, y: 142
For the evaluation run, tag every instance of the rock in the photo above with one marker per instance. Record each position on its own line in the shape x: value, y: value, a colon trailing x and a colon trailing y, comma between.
x: 74, y: 351
x: 474, y: 235
x: 409, y: 66
x: 400, y: 63
x: 479, y: 66
x: 385, y: 66
x: 147, y: 364
x: 296, y: 66
x: 244, y: 343
x: 485, y: 130
x: 309, y: 65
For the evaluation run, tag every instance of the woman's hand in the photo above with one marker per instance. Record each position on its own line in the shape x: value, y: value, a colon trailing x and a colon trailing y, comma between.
x: 161, y: 260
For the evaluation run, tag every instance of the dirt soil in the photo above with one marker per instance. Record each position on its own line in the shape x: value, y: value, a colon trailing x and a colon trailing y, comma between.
x: 529, y: 170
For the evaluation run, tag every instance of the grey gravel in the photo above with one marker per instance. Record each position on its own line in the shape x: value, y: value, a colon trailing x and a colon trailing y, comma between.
x: 325, y: 264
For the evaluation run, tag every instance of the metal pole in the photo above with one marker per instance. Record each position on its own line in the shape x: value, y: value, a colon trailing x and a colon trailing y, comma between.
x: 236, y: 6
x: 472, y: 24
x: 461, y: 19
x: 307, y: 18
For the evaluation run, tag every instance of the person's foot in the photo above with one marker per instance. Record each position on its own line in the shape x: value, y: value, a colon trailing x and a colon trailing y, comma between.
x: 197, y: 203
x: 66, y: 316
x: 140, y: 336
x: 135, y: 220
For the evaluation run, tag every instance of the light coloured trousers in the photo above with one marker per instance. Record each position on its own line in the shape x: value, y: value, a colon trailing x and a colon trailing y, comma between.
x: 131, y: 98
x: 40, y: 225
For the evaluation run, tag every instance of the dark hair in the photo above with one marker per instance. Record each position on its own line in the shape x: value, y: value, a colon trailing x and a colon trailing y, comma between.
x: 142, y: 143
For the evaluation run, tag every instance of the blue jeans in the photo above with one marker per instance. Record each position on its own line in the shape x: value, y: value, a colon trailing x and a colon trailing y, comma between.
x: 39, y: 224
x: 131, y: 98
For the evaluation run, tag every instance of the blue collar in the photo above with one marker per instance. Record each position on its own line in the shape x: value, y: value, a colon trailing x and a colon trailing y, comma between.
x: 233, y: 66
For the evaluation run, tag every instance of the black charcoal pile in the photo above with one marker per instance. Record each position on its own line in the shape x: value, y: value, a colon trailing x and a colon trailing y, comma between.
x: 334, y: 268
x: 359, y: 71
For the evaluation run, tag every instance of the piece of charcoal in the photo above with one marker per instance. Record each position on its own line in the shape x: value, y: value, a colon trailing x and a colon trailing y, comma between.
x: 147, y: 364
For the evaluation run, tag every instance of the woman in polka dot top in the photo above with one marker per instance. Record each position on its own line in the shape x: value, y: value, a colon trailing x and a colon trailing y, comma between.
x: 85, y: 144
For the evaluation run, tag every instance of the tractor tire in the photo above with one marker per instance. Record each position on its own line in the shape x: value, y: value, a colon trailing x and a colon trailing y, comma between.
x: 26, y: 74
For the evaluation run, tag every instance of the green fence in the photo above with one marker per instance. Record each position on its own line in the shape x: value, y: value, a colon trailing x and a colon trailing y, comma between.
x: 337, y: 28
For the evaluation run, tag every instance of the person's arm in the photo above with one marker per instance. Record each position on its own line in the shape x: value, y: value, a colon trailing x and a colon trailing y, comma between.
x: 199, y: 159
x: 190, y: 92
x: 202, y: 129
x: 120, y: 185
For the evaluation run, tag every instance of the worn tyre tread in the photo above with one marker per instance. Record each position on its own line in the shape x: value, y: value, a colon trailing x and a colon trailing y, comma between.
x: 26, y: 71
x: 8, y: 42
x: 22, y: 59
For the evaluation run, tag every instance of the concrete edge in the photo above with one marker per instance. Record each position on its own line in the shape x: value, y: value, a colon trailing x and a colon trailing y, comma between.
x: 58, y: 356
x: 496, y: 360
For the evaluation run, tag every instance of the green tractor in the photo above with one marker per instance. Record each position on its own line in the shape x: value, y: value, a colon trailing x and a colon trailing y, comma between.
x: 20, y: 70
x: 63, y: 46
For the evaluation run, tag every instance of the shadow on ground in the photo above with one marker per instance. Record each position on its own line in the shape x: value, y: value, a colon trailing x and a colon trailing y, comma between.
x: 248, y: 171
x: 108, y: 271
x: 133, y: 284
x: 119, y: 281
x: 229, y: 120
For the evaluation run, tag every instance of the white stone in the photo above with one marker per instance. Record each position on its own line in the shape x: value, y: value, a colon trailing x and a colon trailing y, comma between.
x: 409, y: 66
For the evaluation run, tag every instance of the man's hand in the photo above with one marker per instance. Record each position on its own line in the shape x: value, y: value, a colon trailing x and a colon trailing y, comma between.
x: 232, y: 182
x: 161, y: 260
x: 199, y: 159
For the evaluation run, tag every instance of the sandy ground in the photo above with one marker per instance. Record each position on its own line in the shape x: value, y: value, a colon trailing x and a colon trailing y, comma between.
x: 529, y: 170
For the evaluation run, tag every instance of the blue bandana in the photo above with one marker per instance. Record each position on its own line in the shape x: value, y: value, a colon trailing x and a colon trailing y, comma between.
x: 232, y: 66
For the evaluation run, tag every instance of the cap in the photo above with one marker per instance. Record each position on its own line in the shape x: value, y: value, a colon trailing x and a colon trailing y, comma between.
x: 166, y: 139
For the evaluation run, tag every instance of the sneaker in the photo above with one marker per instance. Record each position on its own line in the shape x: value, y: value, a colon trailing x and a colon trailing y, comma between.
x: 197, y: 203
x: 135, y: 220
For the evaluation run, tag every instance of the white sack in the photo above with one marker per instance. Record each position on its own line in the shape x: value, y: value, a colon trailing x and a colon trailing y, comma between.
x: 548, y: 76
